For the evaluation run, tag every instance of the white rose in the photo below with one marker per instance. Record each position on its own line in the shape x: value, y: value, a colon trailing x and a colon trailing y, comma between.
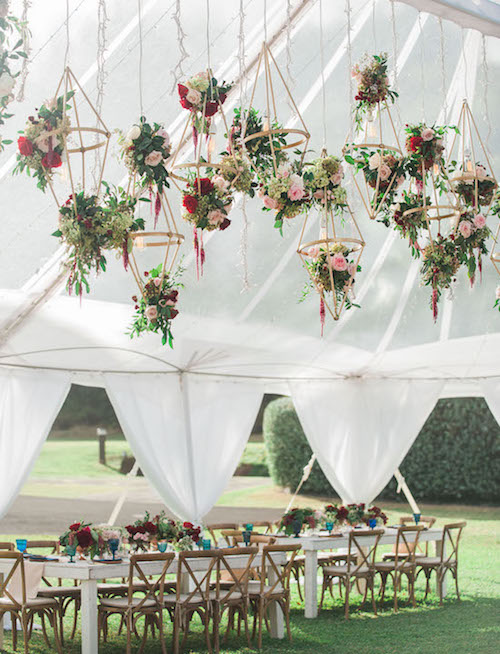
x: 193, y: 96
x: 134, y: 133
x: 481, y: 173
x: 374, y: 161
x: 220, y: 183
x: 153, y: 158
x: 297, y: 180
x: 6, y: 84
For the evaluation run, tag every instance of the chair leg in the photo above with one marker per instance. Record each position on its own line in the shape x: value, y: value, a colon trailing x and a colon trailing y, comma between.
x: 323, y: 588
x: 440, y: 577
x: 13, y: 618
x: 346, y: 601
x: 372, y: 588
x: 129, y: 632
x: 286, y: 612
x: 395, y: 581
x: 55, y: 624
x: 24, y: 627
x: 455, y: 574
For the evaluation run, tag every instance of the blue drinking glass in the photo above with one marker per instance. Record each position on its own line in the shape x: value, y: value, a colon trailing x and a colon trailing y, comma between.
x: 329, y: 526
x: 114, y: 543
x: 70, y: 551
x: 207, y: 544
x: 372, y: 522
x: 21, y: 544
x: 246, y: 537
x: 416, y: 517
x: 162, y: 546
x: 249, y: 527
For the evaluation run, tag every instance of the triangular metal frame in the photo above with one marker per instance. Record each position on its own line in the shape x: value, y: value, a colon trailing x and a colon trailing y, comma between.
x: 495, y: 250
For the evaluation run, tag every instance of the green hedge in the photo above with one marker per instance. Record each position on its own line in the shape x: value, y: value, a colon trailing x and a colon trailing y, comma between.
x: 455, y: 458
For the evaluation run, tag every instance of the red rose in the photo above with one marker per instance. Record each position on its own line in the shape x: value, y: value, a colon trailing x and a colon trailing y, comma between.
x: 173, y: 313
x: 415, y: 143
x: 84, y: 537
x: 224, y: 224
x: 52, y: 160
x: 188, y: 525
x: 206, y: 185
x: 185, y: 103
x: 183, y: 90
x: 172, y: 296
x: 131, y: 530
x: 25, y: 146
x: 150, y: 527
x: 190, y: 203
x: 211, y: 109
x: 75, y: 526
x: 140, y: 529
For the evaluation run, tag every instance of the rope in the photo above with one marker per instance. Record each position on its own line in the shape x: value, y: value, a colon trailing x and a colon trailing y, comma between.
x: 348, y: 12
x: 178, y: 72
x: 265, y: 21
x: 422, y: 63
x: 322, y: 61
x: 484, y: 66
x: 139, y: 15
x: 66, y: 53
x: 208, y: 42
x: 244, y: 247
x: 466, y: 82
x: 443, y: 69
x: 101, y: 77
x: 395, y: 50
x: 374, y: 27
x: 289, y: 78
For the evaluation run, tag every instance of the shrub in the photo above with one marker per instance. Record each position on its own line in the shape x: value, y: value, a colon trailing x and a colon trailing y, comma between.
x: 288, y: 449
x: 455, y: 458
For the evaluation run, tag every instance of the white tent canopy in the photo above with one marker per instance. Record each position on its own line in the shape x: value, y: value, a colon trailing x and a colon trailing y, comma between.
x: 228, y: 330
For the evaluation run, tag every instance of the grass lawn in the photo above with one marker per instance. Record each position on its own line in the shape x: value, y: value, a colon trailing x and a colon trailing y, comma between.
x: 471, y: 626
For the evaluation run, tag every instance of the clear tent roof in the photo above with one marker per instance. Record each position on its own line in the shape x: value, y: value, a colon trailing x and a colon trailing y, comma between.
x: 264, y: 327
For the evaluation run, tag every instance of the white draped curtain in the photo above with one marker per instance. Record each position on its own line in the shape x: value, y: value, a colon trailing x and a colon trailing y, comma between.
x: 361, y: 429
x: 29, y: 403
x: 187, y: 432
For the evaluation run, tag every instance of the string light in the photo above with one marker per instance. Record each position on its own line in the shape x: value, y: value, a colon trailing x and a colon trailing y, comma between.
x: 322, y: 62
x: 178, y: 72
x: 27, y: 49
x: 101, y: 77
x: 348, y: 13
x: 443, y: 69
x: 485, y: 90
x: 139, y: 15
x: 422, y: 63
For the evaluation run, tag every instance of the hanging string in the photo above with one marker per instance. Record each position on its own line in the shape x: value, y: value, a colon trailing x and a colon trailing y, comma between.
x: 25, y: 34
x: 486, y: 83
x: 443, y: 70
x: 322, y: 62
x: 66, y: 52
x: 244, y: 230
x: 374, y: 28
x: 422, y: 63
x: 241, y: 52
x: 289, y: 78
x: 178, y: 72
x: 348, y: 13
x: 208, y: 41
x: 139, y: 15
x: 265, y: 21
x: 466, y: 83
x: 102, y: 20
x: 395, y: 51
x: 244, y: 247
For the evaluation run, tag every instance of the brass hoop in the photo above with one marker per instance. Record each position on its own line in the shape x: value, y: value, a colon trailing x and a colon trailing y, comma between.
x: 285, y: 131
x: 358, y: 244
x: 172, y: 238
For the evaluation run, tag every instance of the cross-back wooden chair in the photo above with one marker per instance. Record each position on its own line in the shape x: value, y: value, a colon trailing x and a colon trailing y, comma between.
x: 219, y: 526
x: 194, y: 594
x: 5, y: 545
x: 231, y: 590
x: 266, y: 525
x: 272, y: 586
x: 24, y: 608
x: 423, y: 548
x: 360, y: 564
x: 448, y: 559
x: 229, y: 536
x: 403, y: 564
x: 150, y: 605
x: 261, y: 540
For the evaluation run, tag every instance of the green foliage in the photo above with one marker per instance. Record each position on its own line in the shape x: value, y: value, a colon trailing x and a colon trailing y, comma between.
x: 86, y: 406
x: 288, y: 450
x: 455, y: 458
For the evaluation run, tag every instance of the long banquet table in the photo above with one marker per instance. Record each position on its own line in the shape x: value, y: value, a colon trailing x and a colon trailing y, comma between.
x: 89, y: 574
x: 315, y: 543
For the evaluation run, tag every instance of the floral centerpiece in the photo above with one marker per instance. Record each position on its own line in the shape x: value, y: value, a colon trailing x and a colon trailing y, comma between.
x: 285, y: 193
x: 294, y: 520
x: 425, y: 147
x: 355, y: 514
x: 236, y: 171
x: 373, y: 85
x: 441, y: 260
x: 83, y: 536
x: 145, y: 149
x: 259, y: 150
x: 142, y: 533
x: 323, y: 179
x: 335, y: 514
x: 470, y: 241
x: 156, y: 308
x: 187, y: 537
x: 475, y: 183
x: 43, y: 141
x: 409, y: 218
x: 202, y: 95
x: 105, y: 534
x: 375, y: 513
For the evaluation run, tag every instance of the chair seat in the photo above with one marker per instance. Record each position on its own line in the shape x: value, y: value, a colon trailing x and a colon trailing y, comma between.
x: 104, y: 589
x: 122, y: 602
x: 343, y: 571
x: 433, y: 562
x: 60, y: 591
x: 196, y: 598
x: 254, y: 589
x: 36, y: 603
x: 390, y: 566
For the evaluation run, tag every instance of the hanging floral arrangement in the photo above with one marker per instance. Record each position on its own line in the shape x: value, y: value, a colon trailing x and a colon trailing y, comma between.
x: 44, y: 138
x: 235, y: 169
x: 156, y: 308
x: 470, y: 239
x: 323, y: 180
x: 145, y: 149
x: 441, y: 260
x: 332, y: 271
x: 207, y: 202
x: 285, y: 193
x: 9, y: 26
x: 202, y: 95
x: 373, y: 85
x: 119, y: 208
x: 474, y: 185
x: 408, y: 218
x: 425, y: 148
x: 259, y: 149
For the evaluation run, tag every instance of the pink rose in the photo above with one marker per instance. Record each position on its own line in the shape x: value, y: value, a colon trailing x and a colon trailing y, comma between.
x: 351, y: 269
x: 313, y: 252
x: 479, y: 221
x: 319, y: 194
x: 465, y: 228
x: 270, y: 203
x: 295, y: 192
x: 339, y: 262
x: 498, y: 293
x: 481, y: 173
x: 215, y: 217
x: 427, y: 134
x: 164, y: 134
x: 153, y: 158
x: 193, y: 96
x: 157, y: 281
x: 337, y: 178
x: 384, y: 172
x: 151, y: 312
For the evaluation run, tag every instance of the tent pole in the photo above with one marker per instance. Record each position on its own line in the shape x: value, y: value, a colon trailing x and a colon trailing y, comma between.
x: 121, y: 500
x: 402, y: 486
x: 305, y: 477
